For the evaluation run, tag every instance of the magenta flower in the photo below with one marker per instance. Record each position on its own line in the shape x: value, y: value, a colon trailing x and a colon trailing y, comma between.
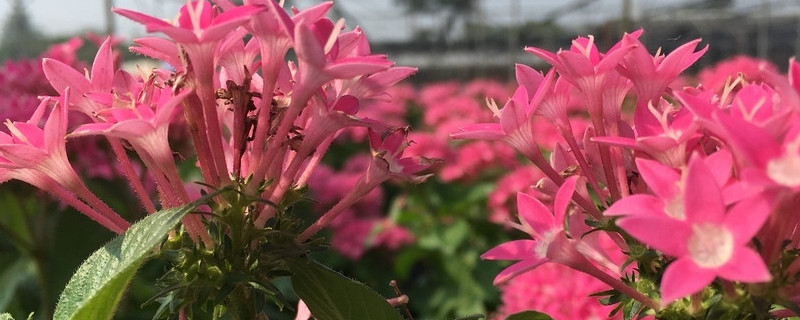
x: 715, y: 77
x: 198, y: 21
x: 667, y: 137
x: 516, y: 121
x: 549, y: 243
x: 603, y: 88
x: 62, y: 75
x: 708, y: 242
x: 651, y: 75
x: 38, y: 156
x: 146, y: 129
x: 387, y: 163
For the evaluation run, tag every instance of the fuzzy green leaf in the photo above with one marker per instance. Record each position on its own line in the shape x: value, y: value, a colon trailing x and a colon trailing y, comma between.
x: 331, y: 296
x: 96, y: 288
x: 529, y: 315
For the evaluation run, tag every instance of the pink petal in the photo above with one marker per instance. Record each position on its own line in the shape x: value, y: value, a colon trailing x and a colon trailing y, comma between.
x: 529, y: 78
x: 103, y: 67
x: 702, y: 196
x: 56, y: 126
x: 612, y: 58
x: 545, y: 90
x: 638, y: 63
x: 395, y: 140
x: 355, y: 66
x: 390, y: 77
x: 302, y: 311
x: 517, y: 269
x: 547, y: 56
x: 720, y: 163
x: 745, y: 265
x: 164, y: 113
x: 746, y: 218
x: 663, y: 233
x: 313, y: 13
x: 227, y: 21
x: 284, y: 20
x: 482, y: 131
x: 637, y: 204
x: 563, y: 197
x: 140, y: 17
x: 123, y: 114
x: 347, y: 104
x: 512, y: 250
x: 158, y: 48
x: 177, y: 34
x: 739, y: 190
x: 62, y: 76
x: 23, y: 155
x: 513, y: 115
x: 131, y: 129
x: 308, y: 48
x: 656, y: 144
x: 106, y: 99
x: 30, y: 132
x: 535, y: 214
x: 576, y: 64
x: 616, y: 141
x: 680, y: 59
x: 750, y: 143
x: 661, y: 179
x: 682, y: 278
x: 90, y: 129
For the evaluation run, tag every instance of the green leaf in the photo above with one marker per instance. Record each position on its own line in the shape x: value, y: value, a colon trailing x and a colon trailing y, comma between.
x: 331, y: 296
x: 6, y: 316
x: 96, y: 288
x: 12, y: 277
x: 529, y: 315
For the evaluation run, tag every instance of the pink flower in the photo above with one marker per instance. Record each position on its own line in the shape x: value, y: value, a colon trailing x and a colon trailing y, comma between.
x: 708, y: 242
x: 556, y: 290
x: 101, y: 79
x: 388, y: 161
x: 500, y: 202
x: 198, y: 21
x: 715, y: 77
x: 516, y: 127
x: 146, y: 129
x: 651, y: 76
x: 38, y: 155
x: 549, y: 243
x: 666, y: 139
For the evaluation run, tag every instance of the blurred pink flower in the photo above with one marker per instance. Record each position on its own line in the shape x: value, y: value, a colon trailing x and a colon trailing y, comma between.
x: 362, y: 226
x: 715, y: 77
x: 556, y: 290
x: 501, y: 200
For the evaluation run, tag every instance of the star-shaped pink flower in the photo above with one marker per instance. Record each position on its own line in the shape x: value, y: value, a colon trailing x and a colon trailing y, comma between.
x: 709, y: 242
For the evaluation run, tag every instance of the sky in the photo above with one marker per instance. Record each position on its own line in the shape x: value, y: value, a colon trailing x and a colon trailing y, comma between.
x: 381, y: 19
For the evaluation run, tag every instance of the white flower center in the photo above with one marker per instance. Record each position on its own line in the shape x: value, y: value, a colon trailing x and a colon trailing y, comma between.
x: 785, y: 170
x: 675, y: 207
x: 544, y: 243
x: 710, y: 245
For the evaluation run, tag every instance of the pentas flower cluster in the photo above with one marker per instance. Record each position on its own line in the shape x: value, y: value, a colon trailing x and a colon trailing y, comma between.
x: 699, y: 190
x: 260, y: 121
x: 23, y: 81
